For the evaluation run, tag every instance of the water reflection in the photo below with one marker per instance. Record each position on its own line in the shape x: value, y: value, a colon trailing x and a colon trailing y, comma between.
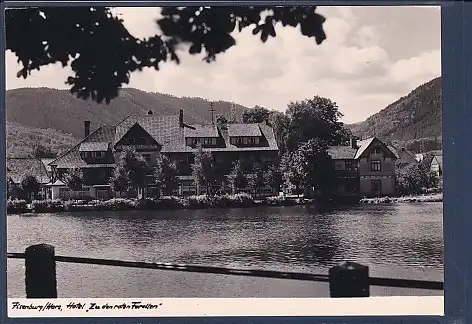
x: 394, y: 239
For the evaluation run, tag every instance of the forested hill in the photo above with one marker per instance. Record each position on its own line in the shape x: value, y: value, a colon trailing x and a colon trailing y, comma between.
x: 60, y: 110
x: 411, y: 118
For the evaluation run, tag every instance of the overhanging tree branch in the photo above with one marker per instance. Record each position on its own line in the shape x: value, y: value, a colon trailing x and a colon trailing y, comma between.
x: 102, y: 53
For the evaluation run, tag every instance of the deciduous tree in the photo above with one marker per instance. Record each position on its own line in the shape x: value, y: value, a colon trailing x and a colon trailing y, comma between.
x: 273, y: 177
x: 137, y: 170
x: 202, y: 169
x: 256, y: 115
x: 166, y: 175
x: 237, y: 178
x: 120, y: 179
x: 74, y: 179
x: 256, y: 179
x: 316, y: 118
x: 30, y: 187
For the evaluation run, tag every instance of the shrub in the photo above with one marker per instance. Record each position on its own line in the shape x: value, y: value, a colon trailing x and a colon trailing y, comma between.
x: 48, y: 206
x: 172, y: 202
x: 16, y: 206
x: 196, y: 202
x: 120, y: 204
x: 280, y: 201
x: 241, y: 200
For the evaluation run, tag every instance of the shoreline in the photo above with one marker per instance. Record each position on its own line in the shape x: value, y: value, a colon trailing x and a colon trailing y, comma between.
x: 192, y: 203
x: 425, y: 198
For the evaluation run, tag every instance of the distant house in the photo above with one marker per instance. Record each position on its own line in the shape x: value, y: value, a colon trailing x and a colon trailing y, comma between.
x: 365, y: 168
x: 437, y: 165
x: 18, y: 168
x: 99, y: 152
x: 404, y: 156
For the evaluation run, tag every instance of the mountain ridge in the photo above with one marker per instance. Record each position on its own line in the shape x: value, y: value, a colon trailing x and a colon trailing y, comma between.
x: 410, y: 120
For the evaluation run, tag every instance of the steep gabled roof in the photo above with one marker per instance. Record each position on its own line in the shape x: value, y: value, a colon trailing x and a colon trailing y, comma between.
x: 18, y: 168
x: 242, y: 130
x: 365, y: 144
x: 72, y: 158
x: 347, y: 152
x: 163, y: 129
x: 438, y: 159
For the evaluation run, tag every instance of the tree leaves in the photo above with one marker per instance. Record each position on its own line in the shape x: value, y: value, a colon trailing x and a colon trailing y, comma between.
x: 103, y: 54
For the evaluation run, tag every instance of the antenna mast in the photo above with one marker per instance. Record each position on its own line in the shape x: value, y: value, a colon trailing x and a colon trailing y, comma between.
x: 212, y: 110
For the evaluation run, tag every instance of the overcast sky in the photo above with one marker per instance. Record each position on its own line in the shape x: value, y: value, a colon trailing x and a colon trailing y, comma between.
x: 372, y: 57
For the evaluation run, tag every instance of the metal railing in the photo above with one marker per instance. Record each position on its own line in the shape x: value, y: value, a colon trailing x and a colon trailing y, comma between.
x: 348, y: 279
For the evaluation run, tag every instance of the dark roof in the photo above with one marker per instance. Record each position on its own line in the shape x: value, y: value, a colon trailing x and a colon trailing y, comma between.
x: 347, y: 152
x: 94, y: 147
x: 167, y: 132
x: 242, y: 130
x: 163, y: 129
x: 201, y: 131
x: 342, y: 152
x: 267, y: 143
x: 18, y: 168
x: 72, y: 158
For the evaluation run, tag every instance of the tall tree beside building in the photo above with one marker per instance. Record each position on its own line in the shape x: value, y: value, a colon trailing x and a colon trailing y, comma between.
x: 237, y: 177
x: 30, y: 187
x: 256, y: 179
x: 202, y: 170
x: 273, y: 177
x: 137, y: 170
x: 74, y: 179
x: 291, y: 171
x: 314, y: 118
x: 280, y: 123
x: 314, y: 164
x: 166, y: 175
x: 120, y: 179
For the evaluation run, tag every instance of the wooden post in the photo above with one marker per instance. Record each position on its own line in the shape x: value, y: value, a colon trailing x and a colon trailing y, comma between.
x: 40, y: 271
x: 349, y: 279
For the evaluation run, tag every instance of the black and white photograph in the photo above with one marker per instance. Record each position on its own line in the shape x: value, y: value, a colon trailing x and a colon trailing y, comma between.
x: 224, y: 152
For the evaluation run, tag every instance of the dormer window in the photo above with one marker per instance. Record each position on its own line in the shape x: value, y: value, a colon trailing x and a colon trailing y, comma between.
x: 245, y: 140
x: 207, y: 141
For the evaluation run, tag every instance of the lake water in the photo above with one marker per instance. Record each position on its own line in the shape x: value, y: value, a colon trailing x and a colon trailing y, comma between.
x: 395, y: 241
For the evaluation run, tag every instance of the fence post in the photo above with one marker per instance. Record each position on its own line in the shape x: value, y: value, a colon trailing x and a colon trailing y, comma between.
x: 349, y: 279
x: 40, y: 279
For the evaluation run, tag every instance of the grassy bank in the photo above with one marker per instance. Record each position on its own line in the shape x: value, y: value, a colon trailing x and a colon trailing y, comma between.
x: 164, y: 203
x: 435, y: 197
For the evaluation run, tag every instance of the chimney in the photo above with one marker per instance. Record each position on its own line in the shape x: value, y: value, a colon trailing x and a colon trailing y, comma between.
x: 354, y: 143
x: 181, y: 118
x: 87, y: 128
x: 149, y: 112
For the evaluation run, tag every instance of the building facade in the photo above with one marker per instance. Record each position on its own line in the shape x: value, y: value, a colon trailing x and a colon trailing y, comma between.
x: 18, y: 168
x: 436, y: 166
x: 364, y: 168
x: 150, y: 135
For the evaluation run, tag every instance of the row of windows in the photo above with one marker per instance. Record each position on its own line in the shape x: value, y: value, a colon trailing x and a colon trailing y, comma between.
x: 244, y: 140
x: 203, y: 141
x: 375, y: 165
x: 94, y: 154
